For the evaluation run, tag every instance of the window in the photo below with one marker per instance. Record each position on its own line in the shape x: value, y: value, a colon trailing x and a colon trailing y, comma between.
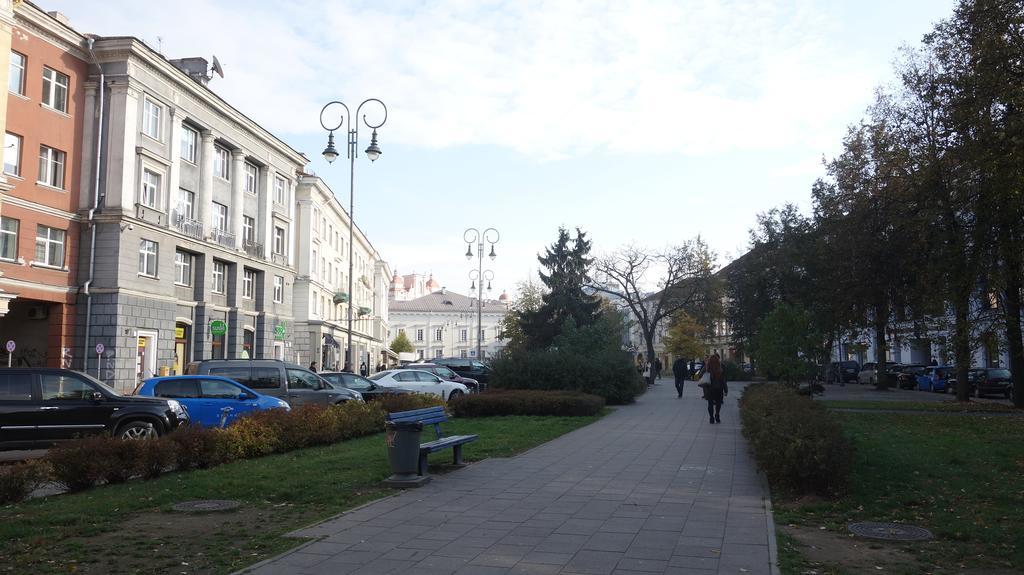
x: 314, y: 270
x: 51, y: 167
x: 150, y: 188
x: 147, y: 258
x: 219, y: 271
x: 464, y: 335
x: 419, y: 335
x: 220, y: 163
x: 248, y: 283
x: 12, y: 154
x: 188, y: 144
x: 182, y: 268
x: 248, y: 229
x: 438, y: 353
x: 438, y: 333
x: 279, y: 243
x: 61, y: 387
x: 251, y: 173
x: 49, y: 246
x: 16, y: 79
x: 279, y: 191
x: 220, y: 217
x: 278, y: 289
x: 9, y: 238
x: 151, y: 114
x: 55, y: 89
x: 16, y: 387
x: 186, y: 204
x: 462, y: 353
x: 482, y: 336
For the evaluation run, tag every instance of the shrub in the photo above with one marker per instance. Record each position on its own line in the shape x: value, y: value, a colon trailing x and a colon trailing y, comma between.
x: 795, y: 440
x: 526, y: 402
x: 198, y: 447
x: 733, y: 371
x: 157, y: 456
x: 82, y: 463
x: 391, y: 403
x: 254, y: 435
x: 21, y: 479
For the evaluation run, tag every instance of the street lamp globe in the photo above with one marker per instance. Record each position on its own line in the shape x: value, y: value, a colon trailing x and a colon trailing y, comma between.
x: 373, y: 150
x: 330, y: 152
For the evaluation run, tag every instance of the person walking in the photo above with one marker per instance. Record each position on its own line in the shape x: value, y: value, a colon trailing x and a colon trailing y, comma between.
x: 657, y: 368
x: 717, y: 389
x: 362, y: 369
x: 312, y: 366
x: 680, y: 372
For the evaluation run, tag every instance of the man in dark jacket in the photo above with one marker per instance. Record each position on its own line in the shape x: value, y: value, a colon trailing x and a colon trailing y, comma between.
x: 680, y: 371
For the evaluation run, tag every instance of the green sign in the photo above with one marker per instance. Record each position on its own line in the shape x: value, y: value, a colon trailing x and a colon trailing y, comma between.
x: 279, y: 331
x: 218, y: 327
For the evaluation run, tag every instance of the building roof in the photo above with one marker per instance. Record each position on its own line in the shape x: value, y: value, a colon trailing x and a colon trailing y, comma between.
x: 445, y: 301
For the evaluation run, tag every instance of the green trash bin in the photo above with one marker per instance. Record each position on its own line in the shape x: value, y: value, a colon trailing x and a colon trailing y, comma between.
x: 403, y: 444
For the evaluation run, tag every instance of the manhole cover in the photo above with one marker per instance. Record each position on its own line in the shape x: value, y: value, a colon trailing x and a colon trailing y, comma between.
x: 891, y: 531
x: 206, y: 505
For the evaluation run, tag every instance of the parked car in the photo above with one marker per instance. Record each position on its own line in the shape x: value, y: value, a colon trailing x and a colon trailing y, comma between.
x: 937, y: 378
x: 842, y: 372
x: 471, y: 368
x: 869, y: 372
x: 42, y: 406
x: 990, y: 381
x: 446, y: 373
x: 368, y: 389
x: 419, y: 382
x: 907, y: 377
x: 211, y: 401
x: 288, y: 381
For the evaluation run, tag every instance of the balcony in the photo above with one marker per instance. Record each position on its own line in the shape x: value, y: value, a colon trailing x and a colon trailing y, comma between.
x: 366, y: 282
x: 340, y: 297
x: 253, y: 249
x: 186, y: 225
x: 279, y: 259
x: 150, y: 214
x: 223, y: 237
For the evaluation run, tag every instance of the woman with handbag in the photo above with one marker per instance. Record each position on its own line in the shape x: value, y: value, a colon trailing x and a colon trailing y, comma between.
x: 716, y: 388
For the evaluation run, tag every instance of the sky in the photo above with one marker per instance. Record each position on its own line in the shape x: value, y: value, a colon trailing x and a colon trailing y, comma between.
x: 642, y: 123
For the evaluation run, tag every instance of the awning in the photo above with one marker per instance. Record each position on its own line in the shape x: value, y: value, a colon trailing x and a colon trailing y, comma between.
x: 329, y: 340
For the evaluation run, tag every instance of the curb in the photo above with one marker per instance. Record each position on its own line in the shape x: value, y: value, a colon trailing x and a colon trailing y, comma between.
x: 773, y: 549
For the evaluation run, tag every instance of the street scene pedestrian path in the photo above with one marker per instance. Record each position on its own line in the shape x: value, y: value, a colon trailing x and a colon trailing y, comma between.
x: 651, y: 488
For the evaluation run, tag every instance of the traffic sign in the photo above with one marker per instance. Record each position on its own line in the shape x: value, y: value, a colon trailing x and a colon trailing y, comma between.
x: 10, y: 346
x: 99, y: 348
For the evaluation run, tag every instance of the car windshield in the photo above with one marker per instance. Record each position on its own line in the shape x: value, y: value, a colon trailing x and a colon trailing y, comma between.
x: 999, y: 373
x: 106, y: 388
x: 378, y: 376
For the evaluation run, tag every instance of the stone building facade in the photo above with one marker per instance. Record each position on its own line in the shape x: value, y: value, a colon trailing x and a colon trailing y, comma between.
x: 444, y: 324
x: 187, y: 249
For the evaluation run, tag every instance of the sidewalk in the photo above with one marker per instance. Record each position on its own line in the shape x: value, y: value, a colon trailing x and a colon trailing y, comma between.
x: 650, y: 488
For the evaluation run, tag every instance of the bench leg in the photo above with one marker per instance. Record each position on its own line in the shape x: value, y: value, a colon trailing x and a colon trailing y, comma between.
x: 422, y: 470
x: 457, y: 454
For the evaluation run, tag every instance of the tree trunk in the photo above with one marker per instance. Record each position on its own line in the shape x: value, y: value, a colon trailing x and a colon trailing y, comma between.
x: 881, y: 314
x: 1014, y: 341
x: 961, y: 347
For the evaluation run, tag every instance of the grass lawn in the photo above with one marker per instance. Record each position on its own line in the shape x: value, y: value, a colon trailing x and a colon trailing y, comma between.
x: 949, y: 405
x: 960, y: 477
x: 129, y: 528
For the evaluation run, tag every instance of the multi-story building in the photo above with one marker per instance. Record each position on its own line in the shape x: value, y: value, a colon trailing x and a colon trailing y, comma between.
x: 444, y: 324
x: 321, y: 285
x: 39, y: 225
x: 187, y: 248
x: 411, y: 286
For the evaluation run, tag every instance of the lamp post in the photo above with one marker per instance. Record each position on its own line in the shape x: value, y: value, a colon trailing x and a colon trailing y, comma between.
x: 475, y: 236
x: 330, y: 154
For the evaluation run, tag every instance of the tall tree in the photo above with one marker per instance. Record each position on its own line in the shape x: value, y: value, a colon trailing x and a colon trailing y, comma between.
x: 528, y: 299
x: 686, y: 336
x: 567, y: 263
x: 686, y: 283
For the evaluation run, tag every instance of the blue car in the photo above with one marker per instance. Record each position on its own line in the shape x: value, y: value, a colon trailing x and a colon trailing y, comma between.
x: 211, y: 401
x: 935, y: 378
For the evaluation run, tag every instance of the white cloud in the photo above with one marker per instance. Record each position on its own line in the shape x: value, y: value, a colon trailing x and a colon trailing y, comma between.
x: 546, y: 78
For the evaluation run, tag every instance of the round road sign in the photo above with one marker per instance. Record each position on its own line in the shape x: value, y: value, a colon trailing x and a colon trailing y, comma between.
x: 99, y: 348
x: 10, y: 346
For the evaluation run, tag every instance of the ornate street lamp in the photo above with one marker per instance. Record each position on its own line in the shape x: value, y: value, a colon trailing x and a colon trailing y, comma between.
x: 471, y: 236
x: 330, y: 154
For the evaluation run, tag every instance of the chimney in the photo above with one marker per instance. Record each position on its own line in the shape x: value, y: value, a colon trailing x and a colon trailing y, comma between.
x: 197, y: 68
x: 60, y: 17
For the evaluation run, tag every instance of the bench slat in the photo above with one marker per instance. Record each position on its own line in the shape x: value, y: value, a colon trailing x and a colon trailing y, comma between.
x: 447, y: 442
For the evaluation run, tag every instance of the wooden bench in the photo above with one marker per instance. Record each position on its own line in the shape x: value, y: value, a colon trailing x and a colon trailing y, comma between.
x: 433, y: 416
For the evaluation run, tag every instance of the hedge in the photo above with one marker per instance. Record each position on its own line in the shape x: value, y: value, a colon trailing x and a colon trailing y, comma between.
x: 526, y: 402
x: 795, y: 440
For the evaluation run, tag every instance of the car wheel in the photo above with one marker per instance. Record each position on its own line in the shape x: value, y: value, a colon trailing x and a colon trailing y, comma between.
x: 454, y: 394
x: 137, y: 430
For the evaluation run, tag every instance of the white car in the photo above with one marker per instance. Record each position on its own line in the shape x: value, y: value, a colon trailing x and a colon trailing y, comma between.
x: 419, y: 382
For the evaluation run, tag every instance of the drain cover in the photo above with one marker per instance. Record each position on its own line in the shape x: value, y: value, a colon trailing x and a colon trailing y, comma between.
x: 206, y: 505
x: 890, y: 531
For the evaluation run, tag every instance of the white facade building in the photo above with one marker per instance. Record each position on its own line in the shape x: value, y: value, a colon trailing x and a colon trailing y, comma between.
x: 444, y: 324
x: 321, y: 284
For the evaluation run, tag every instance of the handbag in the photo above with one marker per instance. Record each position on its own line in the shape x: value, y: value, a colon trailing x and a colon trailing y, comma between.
x: 705, y: 380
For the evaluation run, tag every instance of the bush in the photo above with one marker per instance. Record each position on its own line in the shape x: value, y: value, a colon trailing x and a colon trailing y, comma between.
x: 157, y: 456
x: 198, y: 447
x: 21, y: 479
x: 526, y: 402
x: 404, y: 402
x: 82, y: 463
x: 733, y: 372
x: 795, y: 440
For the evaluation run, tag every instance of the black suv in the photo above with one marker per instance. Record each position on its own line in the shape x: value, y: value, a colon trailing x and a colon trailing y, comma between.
x: 43, y: 406
x: 288, y: 381
x: 466, y: 367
